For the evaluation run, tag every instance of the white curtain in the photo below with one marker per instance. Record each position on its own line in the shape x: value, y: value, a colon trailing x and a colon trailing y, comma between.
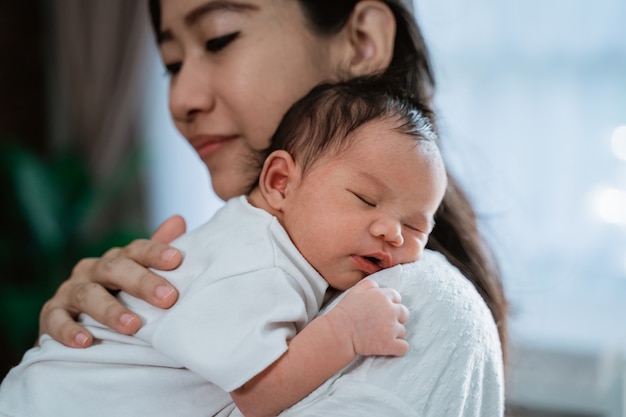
x: 98, y: 56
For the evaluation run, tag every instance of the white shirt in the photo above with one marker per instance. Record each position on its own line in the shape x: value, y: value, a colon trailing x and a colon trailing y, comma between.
x: 244, y: 292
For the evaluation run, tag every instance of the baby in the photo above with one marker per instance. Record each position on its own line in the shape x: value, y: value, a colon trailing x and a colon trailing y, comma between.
x: 349, y: 186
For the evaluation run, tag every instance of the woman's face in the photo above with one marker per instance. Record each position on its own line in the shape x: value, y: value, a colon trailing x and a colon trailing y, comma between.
x: 236, y: 67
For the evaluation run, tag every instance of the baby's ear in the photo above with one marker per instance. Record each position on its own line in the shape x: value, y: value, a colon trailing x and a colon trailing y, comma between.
x: 278, y: 174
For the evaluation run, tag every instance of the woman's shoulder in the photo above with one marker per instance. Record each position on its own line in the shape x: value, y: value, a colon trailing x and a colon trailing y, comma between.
x: 454, y: 363
x: 442, y: 301
x: 432, y: 284
x: 453, y: 339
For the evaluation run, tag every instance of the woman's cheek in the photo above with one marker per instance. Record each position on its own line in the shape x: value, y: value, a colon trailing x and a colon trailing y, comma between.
x: 259, y: 128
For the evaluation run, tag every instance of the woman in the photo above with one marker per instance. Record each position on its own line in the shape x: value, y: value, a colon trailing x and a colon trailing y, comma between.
x: 236, y: 67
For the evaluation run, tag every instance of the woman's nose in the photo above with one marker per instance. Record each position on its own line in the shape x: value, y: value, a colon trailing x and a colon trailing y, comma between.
x: 190, y: 93
x: 388, y: 229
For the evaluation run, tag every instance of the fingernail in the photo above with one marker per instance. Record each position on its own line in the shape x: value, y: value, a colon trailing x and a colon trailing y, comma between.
x: 168, y: 254
x: 163, y: 291
x: 126, y: 319
x: 81, y: 339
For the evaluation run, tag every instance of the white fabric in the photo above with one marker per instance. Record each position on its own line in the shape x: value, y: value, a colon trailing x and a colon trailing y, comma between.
x: 453, y: 368
x: 454, y: 365
x: 244, y: 292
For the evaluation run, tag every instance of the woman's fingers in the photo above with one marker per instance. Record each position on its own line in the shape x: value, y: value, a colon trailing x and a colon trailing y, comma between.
x: 170, y: 229
x: 124, y: 273
x: 59, y: 323
x: 148, y: 254
x: 94, y: 300
x: 58, y: 316
x: 88, y: 288
x: 126, y: 269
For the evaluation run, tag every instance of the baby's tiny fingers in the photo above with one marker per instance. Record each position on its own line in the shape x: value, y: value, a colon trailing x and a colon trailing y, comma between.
x: 401, y: 332
x: 392, y: 295
x: 399, y: 348
x: 403, y: 313
x: 367, y: 283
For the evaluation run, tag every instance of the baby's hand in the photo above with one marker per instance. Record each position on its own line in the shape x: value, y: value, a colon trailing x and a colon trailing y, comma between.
x: 373, y: 318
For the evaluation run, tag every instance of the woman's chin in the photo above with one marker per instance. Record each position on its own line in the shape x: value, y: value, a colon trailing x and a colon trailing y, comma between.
x: 228, y: 186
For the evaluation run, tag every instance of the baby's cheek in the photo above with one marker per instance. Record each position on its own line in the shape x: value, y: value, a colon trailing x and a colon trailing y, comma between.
x: 415, y: 248
x: 418, y: 253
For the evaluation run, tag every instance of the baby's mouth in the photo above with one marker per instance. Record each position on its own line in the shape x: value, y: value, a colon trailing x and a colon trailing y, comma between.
x: 374, y: 260
x: 367, y: 264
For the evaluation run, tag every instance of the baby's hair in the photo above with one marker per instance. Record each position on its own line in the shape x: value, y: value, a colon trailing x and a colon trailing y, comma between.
x: 320, y: 123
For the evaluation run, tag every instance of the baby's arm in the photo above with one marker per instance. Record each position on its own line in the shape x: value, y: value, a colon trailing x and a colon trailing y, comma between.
x: 368, y: 321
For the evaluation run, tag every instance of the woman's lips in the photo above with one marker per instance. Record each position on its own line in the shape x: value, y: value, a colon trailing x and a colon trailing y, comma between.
x: 208, y: 145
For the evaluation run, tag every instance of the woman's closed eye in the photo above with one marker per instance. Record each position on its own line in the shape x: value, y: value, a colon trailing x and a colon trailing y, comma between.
x: 219, y: 43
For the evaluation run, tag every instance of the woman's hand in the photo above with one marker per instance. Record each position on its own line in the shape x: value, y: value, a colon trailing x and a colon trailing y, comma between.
x: 126, y: 269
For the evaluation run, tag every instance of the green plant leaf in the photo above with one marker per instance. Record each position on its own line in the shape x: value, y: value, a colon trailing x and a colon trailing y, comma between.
x: 52, y: 205
x: 103, y: 194
x: 38, y: 197
x: 19, y: 312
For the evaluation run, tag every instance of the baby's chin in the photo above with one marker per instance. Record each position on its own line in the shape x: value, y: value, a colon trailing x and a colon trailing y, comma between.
x: 347, y: 280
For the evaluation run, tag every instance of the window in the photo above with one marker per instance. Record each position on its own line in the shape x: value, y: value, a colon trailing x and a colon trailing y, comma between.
x: 532, y: 101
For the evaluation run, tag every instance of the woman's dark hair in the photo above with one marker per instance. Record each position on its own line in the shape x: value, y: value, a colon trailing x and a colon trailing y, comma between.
x: 456, y: 234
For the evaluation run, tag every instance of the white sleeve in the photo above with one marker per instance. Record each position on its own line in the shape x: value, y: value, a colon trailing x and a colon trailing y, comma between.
x: 454, y: 365
x: 230, y: 330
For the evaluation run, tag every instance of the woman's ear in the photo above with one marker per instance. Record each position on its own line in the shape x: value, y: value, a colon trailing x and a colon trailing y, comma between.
x: 372, y: 33
x: 278, y: 175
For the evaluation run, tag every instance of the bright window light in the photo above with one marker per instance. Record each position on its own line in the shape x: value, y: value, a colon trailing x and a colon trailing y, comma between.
x: 618, y: 142
x: 609, y: 204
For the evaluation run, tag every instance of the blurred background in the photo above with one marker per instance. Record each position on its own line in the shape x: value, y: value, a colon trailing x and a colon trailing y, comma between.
x: 72, y: 91
x: 532, y: 107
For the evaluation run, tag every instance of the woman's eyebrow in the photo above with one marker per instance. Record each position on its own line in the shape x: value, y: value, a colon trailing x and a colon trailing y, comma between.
x: 216, y: 5
x: 207, y: 8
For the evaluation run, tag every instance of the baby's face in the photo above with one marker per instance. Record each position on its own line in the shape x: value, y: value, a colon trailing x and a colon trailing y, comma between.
x: 369, y: 208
